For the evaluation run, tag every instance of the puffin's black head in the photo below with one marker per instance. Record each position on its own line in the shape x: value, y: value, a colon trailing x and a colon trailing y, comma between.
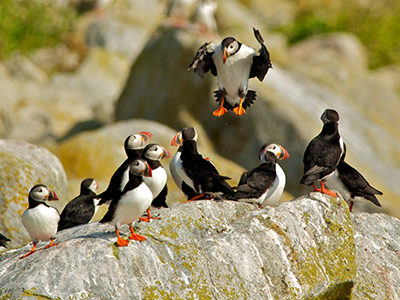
x: 137, y: 140
x: 275, y: 149
x: 140, y: 167
x: 229, y: 47
x: 329, y: 115
x: 41, y: 193
x: 186, y: 134
x: 155, y: 152
x: 89, y: 184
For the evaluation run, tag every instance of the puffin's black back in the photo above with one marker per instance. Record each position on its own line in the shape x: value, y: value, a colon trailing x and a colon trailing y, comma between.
x: 322, y: 154
x: 79, y: 210
x: 254, y: 183
x: 356, y: 184
x: 201, y: 171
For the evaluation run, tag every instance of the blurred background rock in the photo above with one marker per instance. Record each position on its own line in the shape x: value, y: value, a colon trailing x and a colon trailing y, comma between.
x: 78, y: 76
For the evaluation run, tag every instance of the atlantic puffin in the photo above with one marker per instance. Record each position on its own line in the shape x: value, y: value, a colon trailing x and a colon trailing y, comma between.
x: 3, y: 241
x: 131, y: 203
x: 234, y: 64
x: 176, y: 169
x: 352, y: 185
x: 133, y: 145
x: 157, y: 183
x: 40, y: 219
x: 264, y: 184
x: 197, y: 172
x: 82, y: 208
x: 323, y: 153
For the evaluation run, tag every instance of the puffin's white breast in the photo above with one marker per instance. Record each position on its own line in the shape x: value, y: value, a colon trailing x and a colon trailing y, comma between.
x: 234, y: 73
x: 180, y: 173
x: 173, y: 168
x: 275, y: 192
x: 157, y: 181
x: 132, y: 205
x: 41, y: 222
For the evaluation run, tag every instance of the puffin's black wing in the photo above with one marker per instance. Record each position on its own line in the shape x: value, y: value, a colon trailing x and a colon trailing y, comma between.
x: 203, y: 62
x: 258, y: 181
x: 114, y: 187
x: 243, y: 178
x: 3, y: 240
x: 78, y: 211
x: 320, y: 159
x: 205, y: 175
x: 262, y: 62
x: 357, y: 185
x: 160, y: 200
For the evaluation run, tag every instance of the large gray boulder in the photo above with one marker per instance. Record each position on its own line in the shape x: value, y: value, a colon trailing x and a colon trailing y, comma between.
x: 205, y: 249
x: 22, y: 165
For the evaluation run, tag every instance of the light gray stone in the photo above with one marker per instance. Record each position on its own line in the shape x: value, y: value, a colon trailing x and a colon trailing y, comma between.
x: 205, y: 249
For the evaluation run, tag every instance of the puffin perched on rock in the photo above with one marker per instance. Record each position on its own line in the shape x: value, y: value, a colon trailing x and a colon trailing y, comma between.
x: 195, y: 171
x: 131, y: 202
x: 323, y: 153
x: 157, y: 183
x: 264, y: 184
x: 3, y: 241
x: 234, y: 64
x: 82, y: 208
x: 133, y: 145
x: 40, y: 219
x: 352, y: 185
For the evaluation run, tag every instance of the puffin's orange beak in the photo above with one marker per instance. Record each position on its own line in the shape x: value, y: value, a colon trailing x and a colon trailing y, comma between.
x: 176, y: 141
x: 146, y: 136
x: 52, y: 196
x: 285, y: 153
x: 224, y: 56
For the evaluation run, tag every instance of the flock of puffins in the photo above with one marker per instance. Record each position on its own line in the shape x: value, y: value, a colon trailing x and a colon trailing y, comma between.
x: 140, y: 182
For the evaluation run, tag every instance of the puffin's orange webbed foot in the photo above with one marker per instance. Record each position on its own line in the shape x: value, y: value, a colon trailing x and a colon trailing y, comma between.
x: 51, y: 244
x: 120, y: 241
x: 30, y: 252
x: 221, y: 110
x: 136, y: 237
x: 239, y: 110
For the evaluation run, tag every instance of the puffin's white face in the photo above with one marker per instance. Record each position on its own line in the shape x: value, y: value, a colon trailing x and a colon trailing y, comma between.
x: 137, y: 140
x: 42, y: 193
x: 277, y: 150
x: 157, y: 152
x: 232, y: 48
x: 140, y: 167
x: 93, y: 186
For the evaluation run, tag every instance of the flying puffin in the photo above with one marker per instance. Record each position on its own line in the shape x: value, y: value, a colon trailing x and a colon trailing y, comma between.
x: 197, y: 172
x: 264, y: 184
x: 3, y: 241
x: 133, y: 145
x: 157, y: 183
x: 234, y: 64
x: 131, y: 203
x: 323, y: 153
x: 352, y: 185
x: 40, y: 219
x: 82, y: 208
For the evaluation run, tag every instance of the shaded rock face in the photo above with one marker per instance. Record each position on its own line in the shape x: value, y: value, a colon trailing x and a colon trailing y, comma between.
x: 204, y: 249
x: 22, y: 165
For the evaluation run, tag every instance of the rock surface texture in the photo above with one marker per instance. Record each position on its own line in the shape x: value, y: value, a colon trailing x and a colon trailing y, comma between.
x: 307, y: 248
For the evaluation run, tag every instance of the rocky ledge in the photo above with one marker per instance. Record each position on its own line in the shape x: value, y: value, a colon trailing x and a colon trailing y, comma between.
x: 308, y: 248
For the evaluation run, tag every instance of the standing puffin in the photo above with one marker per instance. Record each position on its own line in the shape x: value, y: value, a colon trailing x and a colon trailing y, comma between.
x: 198, y: 173
x: 157, y: 183
x: 133, y: 145
x: 264, y: 184
x: 40, y: 219
x: 82, y: 208
x: 129, y: 204
x: 3, y: 241
x: 234, y: 63
x: 176, y: 168
x: 352, y: 185
x: 323, y: 153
